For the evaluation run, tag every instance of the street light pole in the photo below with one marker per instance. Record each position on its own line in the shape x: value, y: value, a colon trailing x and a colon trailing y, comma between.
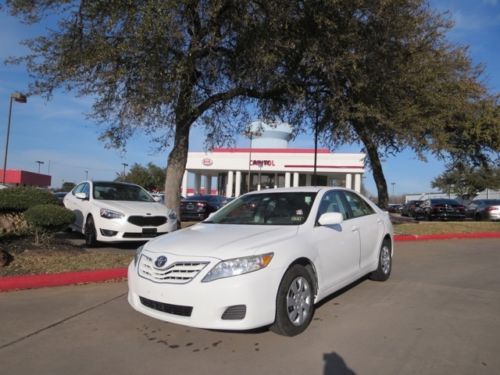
x: 39, y: 162
x: 393, y: 186
x: 19, y: 98
x: 125, y: 165
x: 86, y: 175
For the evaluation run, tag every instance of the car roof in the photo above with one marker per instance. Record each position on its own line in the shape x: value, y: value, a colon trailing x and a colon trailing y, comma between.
x: 301, y: 189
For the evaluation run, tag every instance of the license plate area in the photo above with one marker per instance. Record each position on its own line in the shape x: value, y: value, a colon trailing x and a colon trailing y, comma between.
x: 149, y: 230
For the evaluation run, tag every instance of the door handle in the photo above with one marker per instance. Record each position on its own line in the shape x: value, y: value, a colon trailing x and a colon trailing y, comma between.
x: 354, y: 229
x: 379, y: 221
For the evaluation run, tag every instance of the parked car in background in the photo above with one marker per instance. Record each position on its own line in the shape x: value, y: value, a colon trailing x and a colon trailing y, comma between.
x: 484, y: 209
x: 115, y: 212
x: 60, y: 196
x: 198, y: 207
x: 443, y: 209
x: 395, y: 208
x: 409, y: 208
x: 264, y: 259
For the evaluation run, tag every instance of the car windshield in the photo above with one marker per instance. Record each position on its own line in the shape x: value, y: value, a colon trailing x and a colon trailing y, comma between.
x: 111, y: 191
x: 266, y: 209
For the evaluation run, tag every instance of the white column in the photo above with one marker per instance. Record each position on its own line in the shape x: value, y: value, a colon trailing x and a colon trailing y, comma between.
x: 308, y: 179
x: 275, y: 180
x: 287, y: 179
x: 208, y: 184
x: 229, y: 186
x: 237, y: 188
x: 185, y: 184
x: 296, y: 179
x: 357, y: 182
x: 348, y: 180
x: 197, y: 183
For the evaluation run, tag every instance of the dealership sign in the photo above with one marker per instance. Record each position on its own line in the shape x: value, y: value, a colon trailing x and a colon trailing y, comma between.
x: 263, y: 163
x: 207, y: 162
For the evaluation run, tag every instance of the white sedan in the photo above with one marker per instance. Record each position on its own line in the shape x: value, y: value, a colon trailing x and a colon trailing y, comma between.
x: 115, y: 212
x: 264, y: 259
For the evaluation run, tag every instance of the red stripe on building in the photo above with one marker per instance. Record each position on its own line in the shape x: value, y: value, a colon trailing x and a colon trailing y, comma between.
x: 273, y: 150
x: 323, y: 166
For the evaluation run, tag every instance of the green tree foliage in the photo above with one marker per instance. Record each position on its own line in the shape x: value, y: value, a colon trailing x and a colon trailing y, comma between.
x: 19, y: 199
x: 151, y: 177
x: 46, y: 219
x: 155, y: 66
x: 382, y: 73
x: 467, y: 181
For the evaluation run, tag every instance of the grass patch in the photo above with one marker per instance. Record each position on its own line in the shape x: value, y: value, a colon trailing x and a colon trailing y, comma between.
x: 32, y: 262
x: 439, y: 227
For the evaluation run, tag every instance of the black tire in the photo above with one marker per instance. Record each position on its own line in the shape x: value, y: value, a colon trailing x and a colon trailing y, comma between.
x: 477, y: 216
x: 90, y: 233
x: 294, y: 302
x: 428, y: 217
x: 384, y: 267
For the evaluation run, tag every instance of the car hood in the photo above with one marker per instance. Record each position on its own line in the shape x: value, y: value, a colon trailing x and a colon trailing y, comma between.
x: 134, y: 208
x: 223, y: 241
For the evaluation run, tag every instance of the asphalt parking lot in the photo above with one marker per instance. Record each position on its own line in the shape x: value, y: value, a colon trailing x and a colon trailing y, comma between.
x: 438, y: 314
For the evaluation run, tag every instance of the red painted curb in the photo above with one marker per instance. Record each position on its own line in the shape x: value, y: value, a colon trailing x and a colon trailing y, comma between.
x: 68, y: 278
x: 59, y: 279
x: 445, y: 236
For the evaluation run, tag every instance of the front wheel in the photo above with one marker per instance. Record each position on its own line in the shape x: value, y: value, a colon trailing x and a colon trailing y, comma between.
x: 294, y: 303
x: 384, y: 268
x: 90, y: 233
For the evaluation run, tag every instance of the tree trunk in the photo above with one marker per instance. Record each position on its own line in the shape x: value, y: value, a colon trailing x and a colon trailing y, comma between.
x: 378, y: 173
x: 176, y: 165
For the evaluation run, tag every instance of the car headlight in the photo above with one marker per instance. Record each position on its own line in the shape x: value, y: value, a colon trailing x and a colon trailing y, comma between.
x: 138, y: 254
x: 110, y: 214
x: 238, y: 266
x: 172, y: 216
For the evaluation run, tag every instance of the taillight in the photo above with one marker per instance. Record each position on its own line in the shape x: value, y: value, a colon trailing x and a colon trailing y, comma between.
x: 489, y: 209
x: 201, y: 204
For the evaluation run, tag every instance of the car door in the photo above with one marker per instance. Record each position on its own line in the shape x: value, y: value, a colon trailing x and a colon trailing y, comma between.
x: 369, y: 226
x: 338, y: 246
x: 80, y: 207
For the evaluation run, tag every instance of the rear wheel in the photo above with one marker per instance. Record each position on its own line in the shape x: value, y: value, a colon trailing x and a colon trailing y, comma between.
x: 294, y: 303
x: 90, y: 233
x: 384, y: 268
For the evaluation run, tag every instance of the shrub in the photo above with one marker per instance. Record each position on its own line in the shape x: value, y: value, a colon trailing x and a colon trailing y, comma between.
x: 47, y: 219
x: 19, y: 199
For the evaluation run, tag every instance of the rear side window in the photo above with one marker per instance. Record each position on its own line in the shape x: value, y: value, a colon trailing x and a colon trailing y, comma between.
x: 358, y: 205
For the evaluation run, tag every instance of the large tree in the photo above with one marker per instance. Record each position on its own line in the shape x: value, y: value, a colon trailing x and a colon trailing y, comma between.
x: 392, y: 82
x: 159, y: 66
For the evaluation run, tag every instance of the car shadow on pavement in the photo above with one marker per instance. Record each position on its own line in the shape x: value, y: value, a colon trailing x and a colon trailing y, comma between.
x: 335, y: 365
x: 341, y: 291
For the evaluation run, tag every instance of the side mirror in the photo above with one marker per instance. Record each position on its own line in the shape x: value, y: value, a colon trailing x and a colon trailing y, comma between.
x: 157, y: 198
x: 331, y: 218
x: 82, y: 196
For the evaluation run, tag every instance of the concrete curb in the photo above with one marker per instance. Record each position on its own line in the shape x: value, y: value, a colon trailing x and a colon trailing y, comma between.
x: 59, y: 279
x: 67, y: 278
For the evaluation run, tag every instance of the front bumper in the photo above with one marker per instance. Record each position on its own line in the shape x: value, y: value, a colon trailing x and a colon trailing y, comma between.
x: 120, y: 230
x: 207, y: 302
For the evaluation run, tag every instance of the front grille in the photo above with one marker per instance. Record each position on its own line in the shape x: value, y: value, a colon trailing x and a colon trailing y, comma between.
x: 167, y: 308
x: 175, y: 273
x: 142, y: 235
x: 236, y: 312
x: 147, y: 221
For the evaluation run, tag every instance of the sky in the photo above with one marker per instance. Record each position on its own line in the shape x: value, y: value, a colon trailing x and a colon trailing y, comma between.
x: 59, y: 134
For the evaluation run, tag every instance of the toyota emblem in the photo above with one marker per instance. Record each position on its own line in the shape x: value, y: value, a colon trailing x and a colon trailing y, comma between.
x: 160, y: 261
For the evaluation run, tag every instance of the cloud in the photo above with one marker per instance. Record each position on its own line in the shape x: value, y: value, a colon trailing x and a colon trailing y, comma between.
x: 491, y: 2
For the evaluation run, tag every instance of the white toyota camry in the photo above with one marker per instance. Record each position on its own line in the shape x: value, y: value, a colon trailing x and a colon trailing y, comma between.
x: 115, y: 212
x: 264, y: 259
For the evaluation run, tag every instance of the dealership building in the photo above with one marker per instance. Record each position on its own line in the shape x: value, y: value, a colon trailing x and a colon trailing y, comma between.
x: 269, y: 163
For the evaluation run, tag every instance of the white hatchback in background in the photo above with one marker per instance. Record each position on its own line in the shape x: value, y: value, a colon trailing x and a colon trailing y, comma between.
x: 116, y: 212
x: 264, y: 259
